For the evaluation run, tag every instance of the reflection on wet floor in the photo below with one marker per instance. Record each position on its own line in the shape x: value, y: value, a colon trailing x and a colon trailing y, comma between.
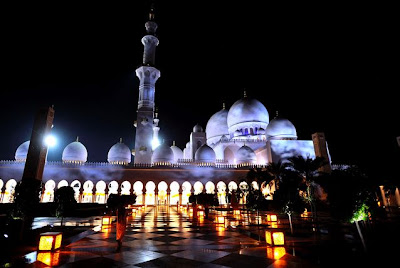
x: 164, y: 236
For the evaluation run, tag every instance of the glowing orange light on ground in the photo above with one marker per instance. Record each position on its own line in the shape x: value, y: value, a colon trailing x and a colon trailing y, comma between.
x: 50, y: 241
x: 272, y: 217
x: 275, y: 238
x: 275, y: 252
x: 49, y: 258
x: 220, y: 220
x: 106, y: 220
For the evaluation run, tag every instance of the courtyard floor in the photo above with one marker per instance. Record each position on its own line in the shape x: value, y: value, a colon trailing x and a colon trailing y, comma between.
x: 169, y: 237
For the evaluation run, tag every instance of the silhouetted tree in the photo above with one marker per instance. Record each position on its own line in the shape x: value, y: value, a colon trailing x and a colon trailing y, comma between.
x: 64, y: 197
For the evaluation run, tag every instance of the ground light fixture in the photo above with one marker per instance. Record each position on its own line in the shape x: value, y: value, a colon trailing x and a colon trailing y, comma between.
x: 50, y: 241
x: 106, y: 221
x: 274, y: 237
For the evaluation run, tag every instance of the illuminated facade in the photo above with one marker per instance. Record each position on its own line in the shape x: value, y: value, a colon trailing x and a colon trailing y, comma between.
x: 213, y: 160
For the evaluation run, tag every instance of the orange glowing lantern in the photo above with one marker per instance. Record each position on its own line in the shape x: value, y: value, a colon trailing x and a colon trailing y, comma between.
x: 50, y: 241
x: 49, y: 258
x: 275, y: 252
x: 272, y: 217
x: 200, y: 213
x: 220, y: 220
x: 275, y: 238
x: 106, y: 221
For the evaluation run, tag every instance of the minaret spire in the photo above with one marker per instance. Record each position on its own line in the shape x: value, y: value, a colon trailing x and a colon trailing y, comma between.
x: 147, y: 119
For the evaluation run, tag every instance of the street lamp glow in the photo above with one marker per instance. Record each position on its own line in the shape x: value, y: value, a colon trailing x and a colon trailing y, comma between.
x: 50, y: 141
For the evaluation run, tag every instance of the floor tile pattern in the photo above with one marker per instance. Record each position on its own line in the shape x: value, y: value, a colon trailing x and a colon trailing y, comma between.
x: 165, y: 237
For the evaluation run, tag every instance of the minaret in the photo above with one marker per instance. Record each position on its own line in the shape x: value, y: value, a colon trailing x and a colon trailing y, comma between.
x: 148, y: 76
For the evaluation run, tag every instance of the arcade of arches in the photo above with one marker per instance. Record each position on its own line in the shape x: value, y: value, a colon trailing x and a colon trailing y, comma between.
x: 148, y: 193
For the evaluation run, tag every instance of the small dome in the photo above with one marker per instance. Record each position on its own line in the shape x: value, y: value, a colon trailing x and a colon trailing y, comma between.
x: 245, y: 155
x: 247, y: 115
x: 119, y: 153
x: 163, y: 154
x: 217, y: 126
x: 178, y: 153
x: 205, y: 154
x: 197, y: 128
x: 281, y: 128
x: 22, y: 151
x: 75, y: 152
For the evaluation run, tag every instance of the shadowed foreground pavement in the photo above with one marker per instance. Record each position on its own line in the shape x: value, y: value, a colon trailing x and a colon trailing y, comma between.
x: 164, y: 237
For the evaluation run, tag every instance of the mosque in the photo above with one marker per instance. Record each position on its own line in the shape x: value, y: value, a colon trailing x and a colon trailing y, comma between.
x: 214, y: 160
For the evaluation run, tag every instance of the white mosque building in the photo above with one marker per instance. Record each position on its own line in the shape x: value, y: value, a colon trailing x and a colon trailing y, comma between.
x: 214, y: 160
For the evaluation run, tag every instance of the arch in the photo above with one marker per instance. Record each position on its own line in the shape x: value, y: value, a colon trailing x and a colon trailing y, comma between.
x: 198, y: 187
x: 138, y: 190
x: 100, y: 192
x: 232, y: 186
x: 9, y: 191
x: 210, y: 187
x: 229, y: 154
x: 221, y: 192
x: 186, y: 191
x: 49, y: 187
x: 150, y: 193
x: 113, y: 187
x: 62, y: 183
x: 87, y: 191
x: 126, y: 188
x: 76, y: 185
x: 244, y: 187
x: 174, y: 192
x: 162, y: 192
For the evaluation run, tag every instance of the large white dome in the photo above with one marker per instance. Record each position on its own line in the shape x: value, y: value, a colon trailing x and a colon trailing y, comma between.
x: 205, y: 154
x: 75, y: 152
x: 163, y: 154
x: 245, y: 155
x: 119, y: 153
x: 281, y: 128
x: 178, y: 153
x: 246, y: 117
x: 217, y: 127
x: 22, y: 151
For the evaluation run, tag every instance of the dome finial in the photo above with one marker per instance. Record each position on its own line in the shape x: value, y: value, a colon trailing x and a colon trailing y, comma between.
x: 276, y: 113
x: 173, y: 143
x: 151, y: 13
x: 120, y: 140
x: 244, y: 93
x: 77, y: 138
x: 223, y: 105
x: 156, y: 112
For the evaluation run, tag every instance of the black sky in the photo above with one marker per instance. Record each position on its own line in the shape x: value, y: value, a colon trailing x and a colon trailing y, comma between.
x: 326, y: 68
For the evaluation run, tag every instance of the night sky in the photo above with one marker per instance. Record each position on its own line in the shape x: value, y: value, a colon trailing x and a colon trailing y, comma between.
x: 325, y: 68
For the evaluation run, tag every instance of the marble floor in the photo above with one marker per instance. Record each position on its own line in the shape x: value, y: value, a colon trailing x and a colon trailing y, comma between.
x: 167, y: 237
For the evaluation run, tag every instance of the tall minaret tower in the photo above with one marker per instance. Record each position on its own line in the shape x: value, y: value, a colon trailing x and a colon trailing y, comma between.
x: 148, y: 76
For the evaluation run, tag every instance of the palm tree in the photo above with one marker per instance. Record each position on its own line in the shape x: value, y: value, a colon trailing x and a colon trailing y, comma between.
x: 307, y: 169
x: 276, y: 170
